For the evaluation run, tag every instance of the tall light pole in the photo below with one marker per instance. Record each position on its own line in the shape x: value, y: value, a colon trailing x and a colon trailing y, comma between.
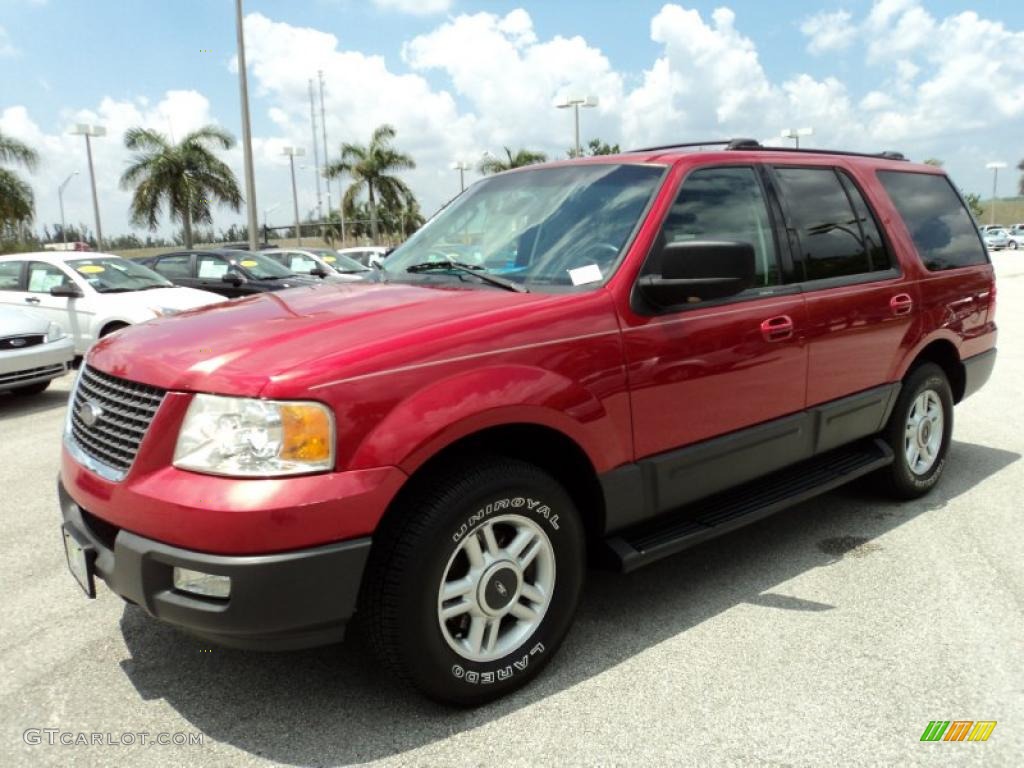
x: 90, y: 132
x: 323, y: 128
x: 994, y: 166
x: 243, y: 90
x: 462, y: 166
x: 60, y: 198
x: 796, y: 133
x: 316, y: 152
x: 576, y: 102
x: 292, y: 153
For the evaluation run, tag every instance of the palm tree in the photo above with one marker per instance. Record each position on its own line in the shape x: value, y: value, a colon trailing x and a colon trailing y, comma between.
x: 371, y: 168
x: 188, y: 177
x: 492, y: 164
x: 17, y: 202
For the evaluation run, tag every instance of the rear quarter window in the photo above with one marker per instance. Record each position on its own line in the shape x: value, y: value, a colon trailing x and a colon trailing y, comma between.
x: 943, y: 231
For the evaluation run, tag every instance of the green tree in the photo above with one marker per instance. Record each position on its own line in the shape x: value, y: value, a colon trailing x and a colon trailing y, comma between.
x: 491, y: 164
x: 372, y: 168
x: 17, y: 203
x: 933, y: 161
x: 973, y: 201
x: 187, y: 177
x: 596, y: 147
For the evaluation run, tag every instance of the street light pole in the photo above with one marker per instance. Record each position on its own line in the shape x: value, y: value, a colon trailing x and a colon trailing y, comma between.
x: 89, y: 131
x: 796, y: 133
x: 292, y: 153
x: 576, y: 102
x: 461, y: 167
x: 243, y: 89
x: 994, y: 167
x: 60, y: 198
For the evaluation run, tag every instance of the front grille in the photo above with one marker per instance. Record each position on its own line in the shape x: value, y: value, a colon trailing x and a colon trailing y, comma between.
x: 18, y: 377
x: 20, y: 342
x: 125, y: 410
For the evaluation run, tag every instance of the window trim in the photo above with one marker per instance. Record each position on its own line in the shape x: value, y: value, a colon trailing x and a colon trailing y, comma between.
x: 903, y: 223
x: 800, y: 265
x: 639, y: 304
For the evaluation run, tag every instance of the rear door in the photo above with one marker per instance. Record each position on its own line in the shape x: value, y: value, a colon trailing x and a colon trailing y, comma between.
x: 860, y: 308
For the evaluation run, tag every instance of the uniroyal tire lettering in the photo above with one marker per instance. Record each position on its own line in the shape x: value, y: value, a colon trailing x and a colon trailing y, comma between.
x: 542, y: 510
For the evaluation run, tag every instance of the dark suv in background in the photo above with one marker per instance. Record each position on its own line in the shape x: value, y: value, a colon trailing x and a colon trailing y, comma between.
x: 227, y: 272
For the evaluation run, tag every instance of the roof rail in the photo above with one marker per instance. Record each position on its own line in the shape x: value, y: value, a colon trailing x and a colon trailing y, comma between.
x: 740, y: 144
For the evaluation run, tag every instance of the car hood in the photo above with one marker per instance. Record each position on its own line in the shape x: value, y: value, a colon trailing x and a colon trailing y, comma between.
x: 238, y: 346
x: 19, y: 322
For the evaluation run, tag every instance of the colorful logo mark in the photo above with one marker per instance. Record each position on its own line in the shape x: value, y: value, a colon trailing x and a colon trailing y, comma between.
x: 958, y: 730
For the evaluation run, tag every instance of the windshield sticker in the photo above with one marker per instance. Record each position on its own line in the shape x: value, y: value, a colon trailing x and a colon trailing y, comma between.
x: 583, y: 275
x: 330, y: 259
x: 249, y: 263
x: 91, y: 269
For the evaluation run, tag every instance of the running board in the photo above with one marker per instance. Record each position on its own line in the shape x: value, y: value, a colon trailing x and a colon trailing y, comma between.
x: 729, y: 510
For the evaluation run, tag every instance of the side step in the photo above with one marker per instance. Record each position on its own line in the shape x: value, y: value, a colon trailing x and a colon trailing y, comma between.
x: 732, y: 509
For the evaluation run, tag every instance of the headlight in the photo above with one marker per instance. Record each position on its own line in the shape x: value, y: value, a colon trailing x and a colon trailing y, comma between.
x: 163, y: 311
x: 245, y: 437
x: 55, y: 332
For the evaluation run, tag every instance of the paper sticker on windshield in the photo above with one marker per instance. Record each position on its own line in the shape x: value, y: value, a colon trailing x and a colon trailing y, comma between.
x: 91, y: 269
x: 583, y: 275
x: 249, y: 263
x: 330, y: 259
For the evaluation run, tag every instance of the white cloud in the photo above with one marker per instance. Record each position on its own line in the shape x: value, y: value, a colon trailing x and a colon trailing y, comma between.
x: 7, y: 48
x: 829, y: 31
x: 416, y: 7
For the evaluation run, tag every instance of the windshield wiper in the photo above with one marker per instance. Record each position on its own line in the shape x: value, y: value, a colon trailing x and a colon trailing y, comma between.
x: 153, y: 287
x: 468, y: 269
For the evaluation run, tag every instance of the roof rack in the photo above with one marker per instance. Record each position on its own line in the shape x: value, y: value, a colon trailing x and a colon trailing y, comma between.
x: 740, y: 144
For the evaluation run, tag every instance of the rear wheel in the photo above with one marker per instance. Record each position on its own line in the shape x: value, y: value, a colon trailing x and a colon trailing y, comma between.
x: 919, y: 432
x: 473, y: 582
x: 1013, y: 245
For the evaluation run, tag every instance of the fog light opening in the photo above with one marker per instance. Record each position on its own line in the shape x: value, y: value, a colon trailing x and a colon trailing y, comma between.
x: 203, y: 584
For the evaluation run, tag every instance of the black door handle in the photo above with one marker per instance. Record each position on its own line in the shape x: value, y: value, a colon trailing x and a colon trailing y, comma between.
x: 32, y: 299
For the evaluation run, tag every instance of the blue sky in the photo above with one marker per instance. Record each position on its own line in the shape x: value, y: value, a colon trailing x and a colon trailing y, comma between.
x: 929, y: 77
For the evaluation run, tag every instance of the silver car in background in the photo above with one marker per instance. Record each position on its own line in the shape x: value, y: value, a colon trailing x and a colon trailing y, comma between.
x: 996, y: 239
x: 33, y: 351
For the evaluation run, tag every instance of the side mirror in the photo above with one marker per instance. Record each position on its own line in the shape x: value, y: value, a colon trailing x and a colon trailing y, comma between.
x: 700, y: 270
x: 67, y: 291
x: 318, y: 271
x: 233, y: 277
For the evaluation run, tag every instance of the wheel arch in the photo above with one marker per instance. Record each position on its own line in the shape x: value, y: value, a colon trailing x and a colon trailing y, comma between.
x: 943, y: 353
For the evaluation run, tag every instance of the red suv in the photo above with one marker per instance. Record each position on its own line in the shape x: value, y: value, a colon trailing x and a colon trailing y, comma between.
x: 605, y: 359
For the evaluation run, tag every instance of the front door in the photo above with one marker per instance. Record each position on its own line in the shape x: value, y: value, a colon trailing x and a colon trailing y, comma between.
x: 706, y: 370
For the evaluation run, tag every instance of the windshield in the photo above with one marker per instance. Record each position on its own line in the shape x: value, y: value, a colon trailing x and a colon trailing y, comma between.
x: 261, y: 267
x: 339, y: 261
x: 112, y: 274
x: 562, y: 226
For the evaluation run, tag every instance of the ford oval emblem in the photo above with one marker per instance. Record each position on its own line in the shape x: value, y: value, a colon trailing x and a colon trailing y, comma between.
x: 89, y: 412
x: 18, y: 342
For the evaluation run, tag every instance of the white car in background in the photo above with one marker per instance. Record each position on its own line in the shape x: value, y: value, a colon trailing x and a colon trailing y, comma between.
x: 92, y: 294
x: 367, y: 255
x: 33, y: 351
x: 322, y: 262
x: 1016, y: 236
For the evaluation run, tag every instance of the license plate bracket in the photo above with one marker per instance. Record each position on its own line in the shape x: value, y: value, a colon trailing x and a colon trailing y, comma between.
x: 80, y: 558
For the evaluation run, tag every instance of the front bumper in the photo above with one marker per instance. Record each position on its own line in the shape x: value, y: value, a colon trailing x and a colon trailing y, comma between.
x: 31, y: 365
x: 280, y: 601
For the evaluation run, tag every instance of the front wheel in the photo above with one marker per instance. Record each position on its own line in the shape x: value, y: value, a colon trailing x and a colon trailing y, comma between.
x: 919, y: 432
x: 1013, y: 245
x: 473, y: 581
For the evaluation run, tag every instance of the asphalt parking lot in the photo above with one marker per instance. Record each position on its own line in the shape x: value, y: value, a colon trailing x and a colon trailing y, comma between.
x: 829, y: 634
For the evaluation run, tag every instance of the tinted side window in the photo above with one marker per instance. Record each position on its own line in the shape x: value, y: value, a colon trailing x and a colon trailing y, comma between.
x: 42, y: 277
x: 10, y: 275
x: 878, y: 257
x: 831, y: 243
x: 174, y: 266
x: 942, y: 229
x: 722, y: 204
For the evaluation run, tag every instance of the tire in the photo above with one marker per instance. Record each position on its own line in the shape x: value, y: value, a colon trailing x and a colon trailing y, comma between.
x: 111, y: 327
x: 1013, y: 245
x: 925, y: 390
x: 32, y: 389
x: 426, y: 541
